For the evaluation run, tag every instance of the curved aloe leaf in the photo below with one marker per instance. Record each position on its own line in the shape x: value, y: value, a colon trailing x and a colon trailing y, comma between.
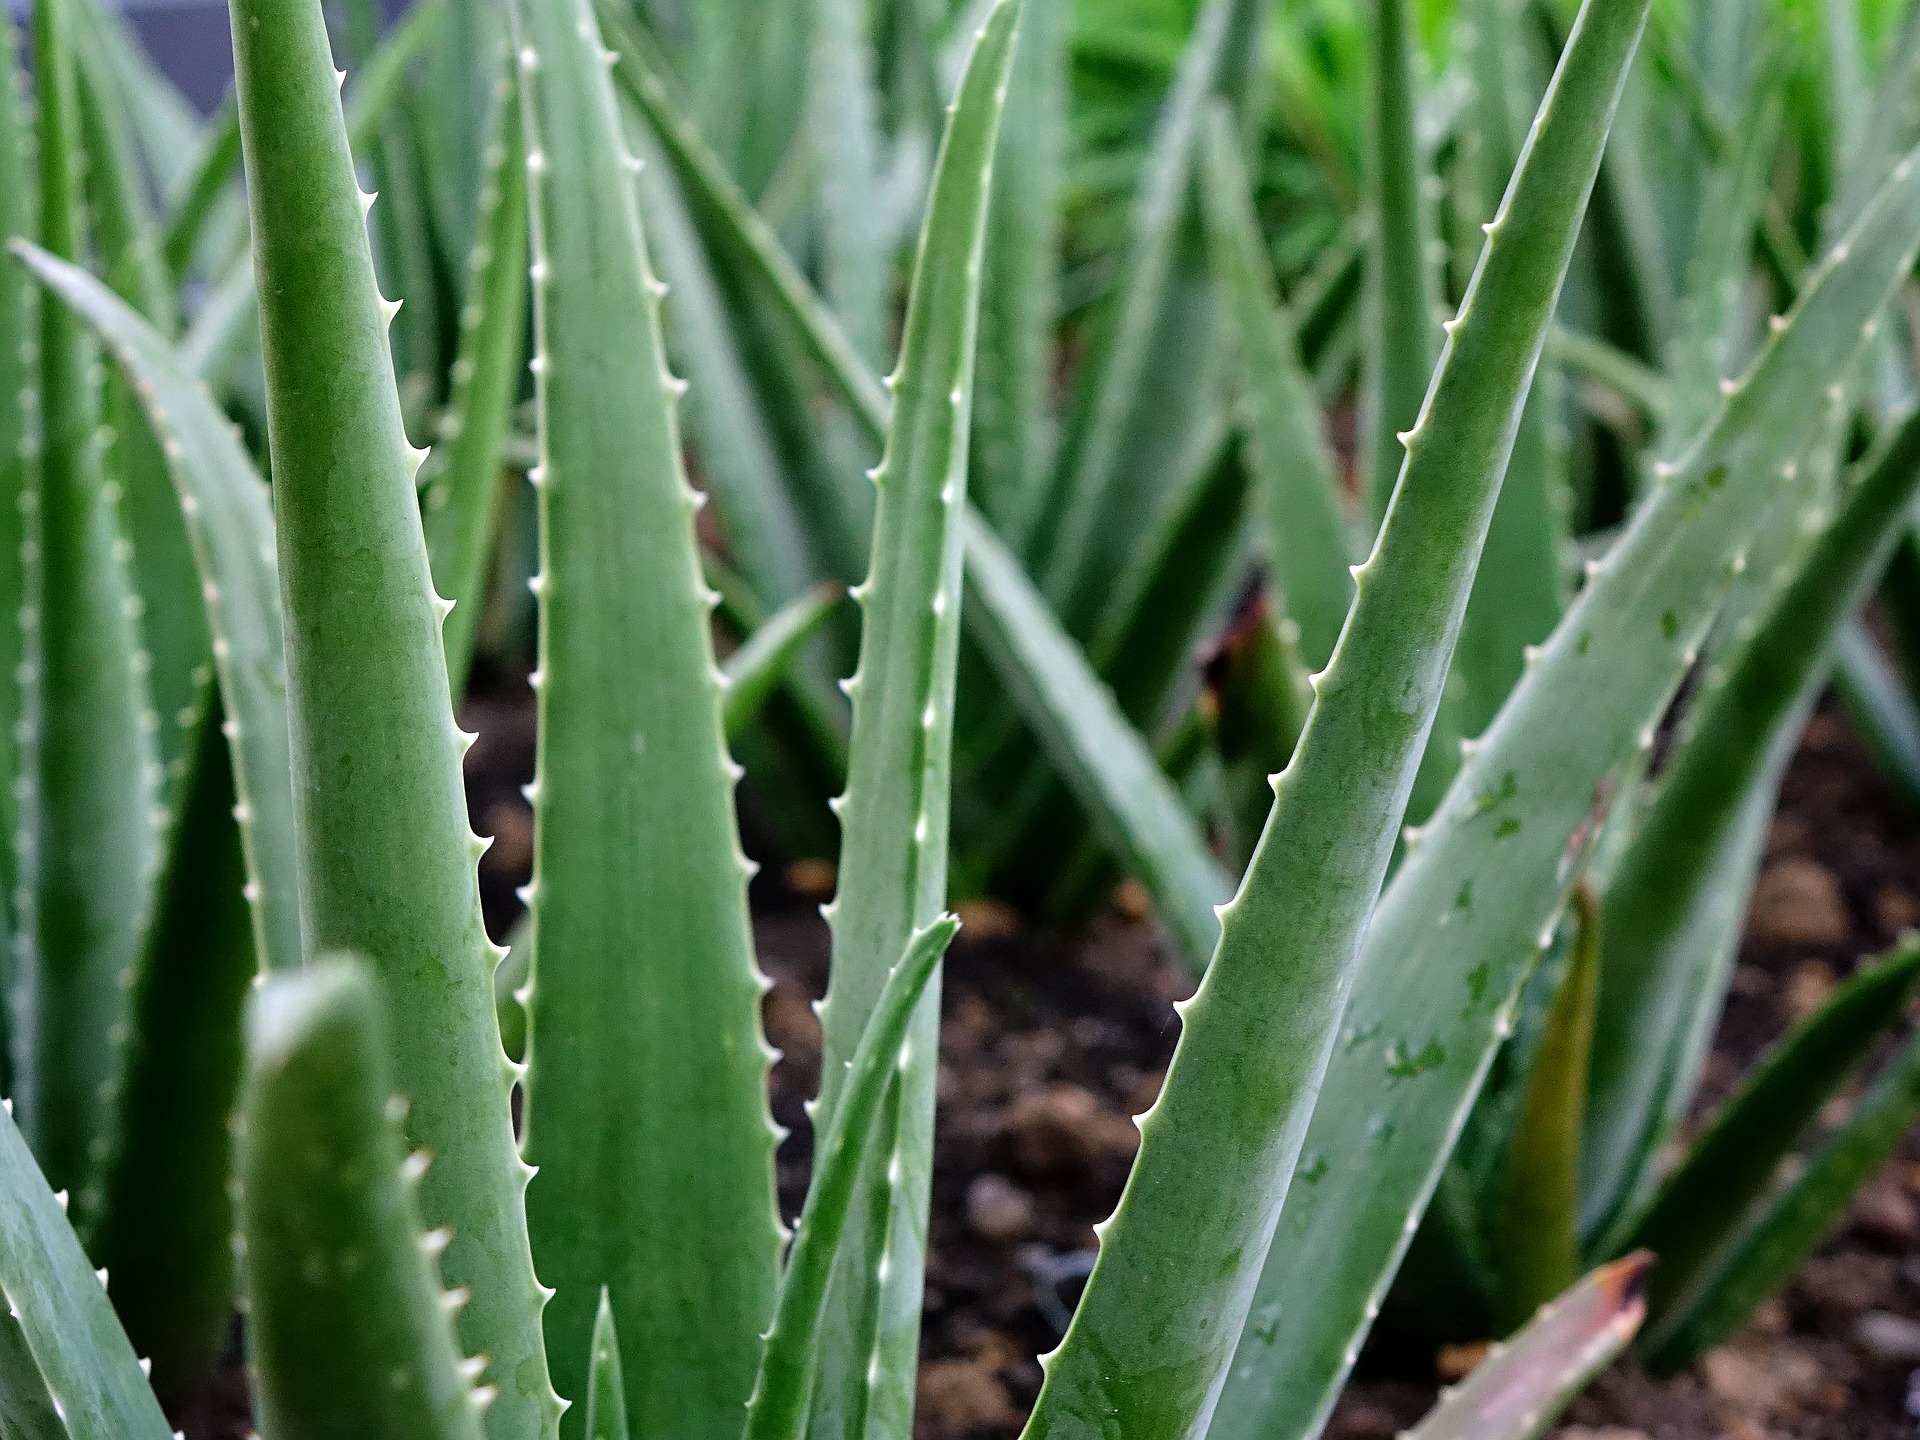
x: 52, y: 1292
x: 89, y: 827
x: 348, y: 1330
x: 1522, y: 1386
x: 1218, y: 1149
x: 1299, y: 497
x: 461, y: 479
x: 1673, y: 906
x: 881, y: 1063
x: 229, y: 521
x: 646, y: 1109
x: 1794, y: 1221
x: 385, y: 852
x: 894, y: 811
x: 1466, y: 913
x: 1704, y: 1204
x: 1403, y: 336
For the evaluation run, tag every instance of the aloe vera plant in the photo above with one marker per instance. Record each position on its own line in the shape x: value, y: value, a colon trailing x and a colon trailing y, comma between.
x: 1407, y: 1045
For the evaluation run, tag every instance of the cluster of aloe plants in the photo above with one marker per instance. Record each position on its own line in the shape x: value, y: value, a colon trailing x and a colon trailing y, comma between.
x: 260, y: 522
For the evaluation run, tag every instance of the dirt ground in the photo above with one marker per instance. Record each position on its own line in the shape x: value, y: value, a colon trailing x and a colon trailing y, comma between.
x: 1049, y: 1046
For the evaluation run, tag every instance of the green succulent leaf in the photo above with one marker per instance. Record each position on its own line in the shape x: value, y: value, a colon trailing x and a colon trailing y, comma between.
x: 894, y: 812
x: 1706, y: 1202
x: 1468, y: 908
x: 1523, y: 1385
x: 646, y: 1109
x: 90, y: 1375
x: 1218, y: 1150
x: 1674, y: 904
x: 385, y: 852
x: 1795, y: 1220
x: 606, y: 1392
x: 348, y: 1328
x: 229, y: 523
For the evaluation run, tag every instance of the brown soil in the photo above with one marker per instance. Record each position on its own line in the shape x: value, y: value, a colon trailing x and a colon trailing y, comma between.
x: 1049, y: 1047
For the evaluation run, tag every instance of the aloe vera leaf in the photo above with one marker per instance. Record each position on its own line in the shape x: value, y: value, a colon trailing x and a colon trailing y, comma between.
x: 646, y: 1108
x: 1402, y: 292
x: 894, y: 812
x: 1258, y: 1034
x: 19, y: 478
x: 89, y: 824
x: 1523, y: 1385
x: 348, y: 1328
x: 740, y: 460
x: 386, y: 856
x: 606, y: 1391
x: 230, y: 523
x: 761, y: 665
x: 1795, y: 1220
x: 165, y: 1222
x: 1877, y: 702
x: 461, y: 480
x: 1674, y: 904
x: 1703, y: 1205
x: 1295, y: 483
x: 1101, y: 757
x: 845, y: 126
x: 1466, y: 912
x: 1013, y: 438
x: 880, y: 1064
x: 215, y: 167
x: 53, y: 1294
x: 1537, y: 1254
x: 1159, y: 362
